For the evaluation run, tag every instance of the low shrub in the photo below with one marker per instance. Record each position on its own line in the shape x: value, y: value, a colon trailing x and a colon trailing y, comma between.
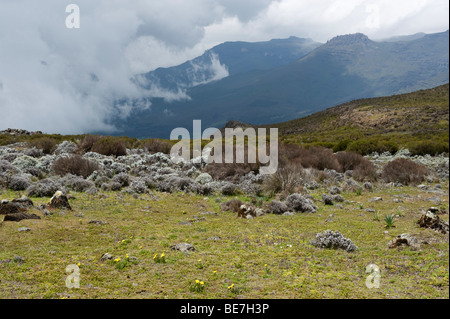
x: 109, y: 146
x: 428, y: 148
x: 18, y: 183
x: 86, y: 144
x: 286, y: 180
x: 157, y: 146
x: 75, y: 165
x: 44, y: 188
x: 299, y: 203
x: 46, y: 144
x: 404, y: 171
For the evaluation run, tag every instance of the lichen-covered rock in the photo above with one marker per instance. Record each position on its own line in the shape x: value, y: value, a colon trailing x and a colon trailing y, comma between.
x: 404, y: 240
x: 433, y: 221
x: 247, y: 211
x: 59, y: 201
x: 333, y: 240
x: 183, y: 247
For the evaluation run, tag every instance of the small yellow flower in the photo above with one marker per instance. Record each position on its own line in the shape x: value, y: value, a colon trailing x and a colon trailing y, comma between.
x: 156, y: 255
x: 215, y: 272
x: 162, y: 255
x: 230, y: 287
x: 140, y: 247
x: 127, y: 256
x: 202, y: 283
x: 78, y: 264
x: 197, y: 281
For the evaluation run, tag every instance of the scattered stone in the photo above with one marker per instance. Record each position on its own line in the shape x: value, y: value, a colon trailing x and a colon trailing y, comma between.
x: 376, y: 199
x: 370, y: 210
x: 59, y: 201
x: 106, y: 256
x: 433, y: 221
x: 46, y: 212
x: 97, y: 222
x: 209, y: 213
x: 20, y: 216
x: 368, y: 186
x: 423, y: 187
x: 397, y: 200
x: 404, y: 240
x: 288, y: 214
x: 24, y: 229
x: 247, y: 211
x: 23, y: 202
x: 437, y: 210
x: 215, y: 238
x: 183, y: 247
x: 186, y: 223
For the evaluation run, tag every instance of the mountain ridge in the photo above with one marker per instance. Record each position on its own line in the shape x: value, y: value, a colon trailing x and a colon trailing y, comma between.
x: 346, y: 68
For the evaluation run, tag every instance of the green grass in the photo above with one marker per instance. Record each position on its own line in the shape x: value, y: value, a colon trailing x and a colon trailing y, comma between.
x: 265, y: 257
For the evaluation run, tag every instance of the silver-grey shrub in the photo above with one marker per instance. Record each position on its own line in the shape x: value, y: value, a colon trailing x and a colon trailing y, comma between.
x: 333, y: 240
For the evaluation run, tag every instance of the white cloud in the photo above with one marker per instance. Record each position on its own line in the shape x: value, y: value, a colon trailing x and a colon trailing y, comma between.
x: 63, y: 80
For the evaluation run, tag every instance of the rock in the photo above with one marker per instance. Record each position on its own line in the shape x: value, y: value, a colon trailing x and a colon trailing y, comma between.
x: 376, y: 199
x: 23, y: 202
x: 97, y: 222
x: 404, y: 240
x: 183, y: 247
x: 17, y: 217
x: 247, y: 211
x: 370, y: 210
x: 423, y: 187
x: 215, y: 238
x: 288, y: 214
x: 209, y: 213
x: 437, y: 210
x: 24, y: 229
x: 59, y: 201
x: 433, y: 221
x: 106, y: 256
x: 368, y: 186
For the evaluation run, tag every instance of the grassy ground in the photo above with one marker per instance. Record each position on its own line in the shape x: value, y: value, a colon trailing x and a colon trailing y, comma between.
x: 265, y: 257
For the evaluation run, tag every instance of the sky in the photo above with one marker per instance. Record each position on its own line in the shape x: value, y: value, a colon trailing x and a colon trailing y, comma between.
x: 65, y: 80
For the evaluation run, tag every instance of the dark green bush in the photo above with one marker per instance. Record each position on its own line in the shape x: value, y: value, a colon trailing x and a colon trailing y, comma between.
x: 109, y: 145
x: 428, y: 148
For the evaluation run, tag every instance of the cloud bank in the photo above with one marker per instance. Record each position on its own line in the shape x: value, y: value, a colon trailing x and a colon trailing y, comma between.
x: 61, y: 80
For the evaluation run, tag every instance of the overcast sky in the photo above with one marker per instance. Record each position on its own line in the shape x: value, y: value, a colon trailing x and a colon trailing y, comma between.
x: 64, y: 80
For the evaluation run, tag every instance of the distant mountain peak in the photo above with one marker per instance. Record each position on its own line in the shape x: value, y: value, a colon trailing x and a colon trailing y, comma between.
x: 349, y: 40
